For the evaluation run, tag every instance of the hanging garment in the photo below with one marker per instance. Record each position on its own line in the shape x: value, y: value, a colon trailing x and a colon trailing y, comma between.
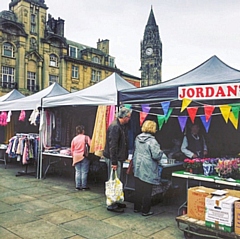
x: 99, y: 133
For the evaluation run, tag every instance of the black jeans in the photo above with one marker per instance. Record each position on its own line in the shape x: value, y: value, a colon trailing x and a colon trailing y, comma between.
x: 143, y: 193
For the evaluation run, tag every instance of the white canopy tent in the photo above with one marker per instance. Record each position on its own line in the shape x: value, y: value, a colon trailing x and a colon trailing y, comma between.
x: 33, y: 101
x: 12, y: 95
x: 103, y: 93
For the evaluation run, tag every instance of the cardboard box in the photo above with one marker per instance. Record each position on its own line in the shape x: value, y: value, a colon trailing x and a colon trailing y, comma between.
x: 196, y: 201
x: 237, y: 217
x: 220, y: 212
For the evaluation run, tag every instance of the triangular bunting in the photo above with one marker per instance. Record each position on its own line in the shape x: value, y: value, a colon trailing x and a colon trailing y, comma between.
x: 168, y: 114
x: 208, y: 109
x: 192, y: 111
x: 205, y: 122
x: 182, y: 122
x: 143, y: 116
x: 161, y: 119
x: 128, y: 106
x: 225, y: 110
x: 233, y: 120
x: 235, y: 110
x: 185, y: 103
x: 145, y: 108
x: 165, y: 106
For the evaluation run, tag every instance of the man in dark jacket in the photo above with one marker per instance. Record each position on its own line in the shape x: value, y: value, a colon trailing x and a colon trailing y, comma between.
x: 116, y: 148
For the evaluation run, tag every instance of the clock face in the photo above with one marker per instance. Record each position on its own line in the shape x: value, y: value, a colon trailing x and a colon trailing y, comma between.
x: 149, y: 51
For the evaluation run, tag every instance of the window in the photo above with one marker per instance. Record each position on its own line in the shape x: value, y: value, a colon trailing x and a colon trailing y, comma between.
x: 96, y: 76
x: 53, y: 79
x: 33, y: 18
x: 73, y: 51
x: 8, y: 49
x: 111, y: 62
x: 95, y: 59
x: 33, y: 28
x: 31, y: 81
x: 7, y: 76
x: 74, y: 72
x: 53, y: 60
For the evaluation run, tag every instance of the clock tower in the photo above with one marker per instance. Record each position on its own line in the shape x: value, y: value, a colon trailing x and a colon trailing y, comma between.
x: 151, y: 53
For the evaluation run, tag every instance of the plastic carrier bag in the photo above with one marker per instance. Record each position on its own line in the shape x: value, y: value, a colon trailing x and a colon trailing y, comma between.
x: 114, y: 189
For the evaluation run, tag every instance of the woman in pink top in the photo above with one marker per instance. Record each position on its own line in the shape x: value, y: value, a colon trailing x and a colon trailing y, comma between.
x: 80, y: 163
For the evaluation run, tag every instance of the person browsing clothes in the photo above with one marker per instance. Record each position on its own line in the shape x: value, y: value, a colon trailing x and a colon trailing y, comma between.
x: 116, y: 148
x: 146, y: 157
x: 194, y: 144
x: 80, y: 162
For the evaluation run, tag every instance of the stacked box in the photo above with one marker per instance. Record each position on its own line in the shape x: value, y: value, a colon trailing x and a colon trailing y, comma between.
x: 196, y: 201
x: 220, y: 212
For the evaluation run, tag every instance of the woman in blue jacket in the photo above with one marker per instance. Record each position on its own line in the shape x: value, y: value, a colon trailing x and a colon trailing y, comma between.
x: 147, y: 155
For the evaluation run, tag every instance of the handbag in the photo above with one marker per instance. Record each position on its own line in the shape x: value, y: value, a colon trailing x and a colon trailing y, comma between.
x: 130, y: 168
x: 114, y: 189
x: 86, y: 148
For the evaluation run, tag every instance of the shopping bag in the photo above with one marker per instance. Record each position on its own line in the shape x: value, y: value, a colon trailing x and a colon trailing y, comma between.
x: 114, y: 189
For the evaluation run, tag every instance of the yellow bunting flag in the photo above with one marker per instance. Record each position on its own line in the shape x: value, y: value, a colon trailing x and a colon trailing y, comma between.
x: 233, y: 120
x: 225, y: 110
x: 185, y: 103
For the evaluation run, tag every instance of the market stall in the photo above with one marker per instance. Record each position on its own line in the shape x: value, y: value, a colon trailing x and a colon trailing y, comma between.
x: 27, y: 109
x: 90, y: 107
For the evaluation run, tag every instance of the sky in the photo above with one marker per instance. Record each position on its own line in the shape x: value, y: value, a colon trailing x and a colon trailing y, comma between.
x: 191, y: 31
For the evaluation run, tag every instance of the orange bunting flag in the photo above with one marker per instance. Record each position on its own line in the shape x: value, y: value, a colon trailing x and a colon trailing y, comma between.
x: 192, y: 111
x: 143, y: 116
x: 233, y: 120
x: 185, y: 103
x: 208, y: 109
x: 225, y: 110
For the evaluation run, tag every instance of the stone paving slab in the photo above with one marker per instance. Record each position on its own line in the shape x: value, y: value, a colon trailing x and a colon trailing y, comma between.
x: 63, y: 216
x: 9, y: 219
x: 91, y: 228
x: 5, y: 234
x: 41, y: 230
x: 38, y: 207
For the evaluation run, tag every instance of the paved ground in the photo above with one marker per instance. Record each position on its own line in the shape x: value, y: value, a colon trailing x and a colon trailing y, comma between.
x: 51, y: 208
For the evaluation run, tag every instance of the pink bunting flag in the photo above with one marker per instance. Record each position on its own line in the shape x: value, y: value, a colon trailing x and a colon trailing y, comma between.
x: 182, y: 122
x: 208, y: 109
x: 145, y: 108
x: 143, y: 116
x: 192, y: 111
x: 165, y: 107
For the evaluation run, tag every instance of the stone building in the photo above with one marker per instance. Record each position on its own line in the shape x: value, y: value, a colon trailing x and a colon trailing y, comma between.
x: 34, y: 52
x: 151, y: 54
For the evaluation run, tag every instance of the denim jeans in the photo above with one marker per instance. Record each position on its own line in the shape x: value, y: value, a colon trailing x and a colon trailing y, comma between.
x: 81, y: 173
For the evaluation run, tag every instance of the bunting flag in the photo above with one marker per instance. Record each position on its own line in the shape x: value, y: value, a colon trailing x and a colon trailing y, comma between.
x: 185, y: 103
x: 182, y: 122
x: 233, y: 120
x: 128, y: 106
x: 165, y: 107
x: 225, y: 110
x: 145, y: 108
x: 161, y: 119
x: 143, y: 116
x: 192, y: 111
x: 208, y: 109
x: 205, y: 122
x: 168, y: 114
x: 235, y: 111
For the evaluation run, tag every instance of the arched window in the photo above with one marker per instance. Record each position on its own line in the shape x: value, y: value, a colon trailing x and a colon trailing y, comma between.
x: 53, y: 60
x: 8, y: 49
x: 95, y: 59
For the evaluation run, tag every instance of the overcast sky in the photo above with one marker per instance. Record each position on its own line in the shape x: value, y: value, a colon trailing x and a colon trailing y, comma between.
x: 191, y: 31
